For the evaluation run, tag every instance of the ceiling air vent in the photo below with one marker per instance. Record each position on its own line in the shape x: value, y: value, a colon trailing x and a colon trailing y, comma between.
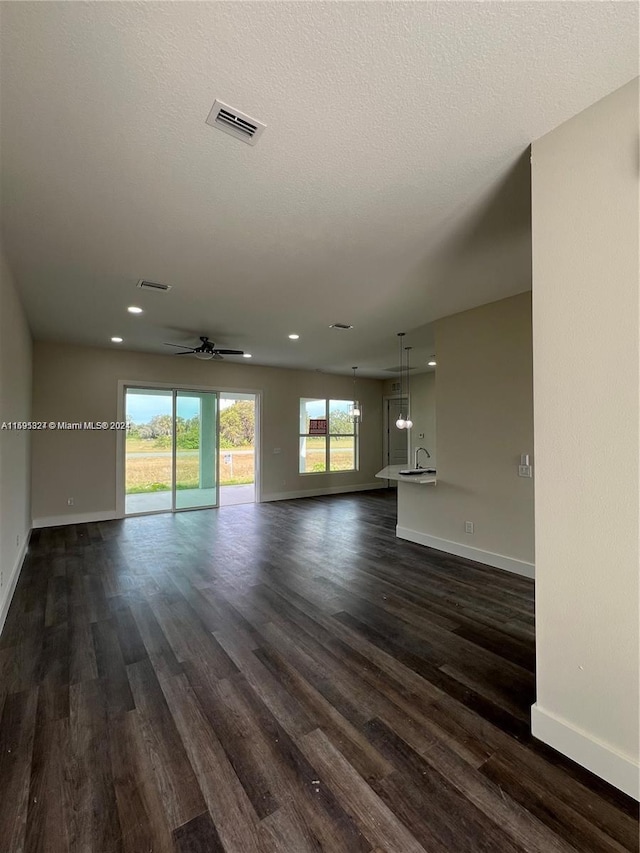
x: 235, y: 123
x: 340, y: 326
x: 143, y: 284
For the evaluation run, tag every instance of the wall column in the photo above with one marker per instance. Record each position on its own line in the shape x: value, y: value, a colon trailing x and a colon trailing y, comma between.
x: 587, y: 437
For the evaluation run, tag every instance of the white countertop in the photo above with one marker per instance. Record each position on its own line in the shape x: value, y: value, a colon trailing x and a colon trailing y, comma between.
x: 392, y: 472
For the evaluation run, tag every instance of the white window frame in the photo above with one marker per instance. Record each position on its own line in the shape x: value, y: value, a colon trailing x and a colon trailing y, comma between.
x: 355, y: 435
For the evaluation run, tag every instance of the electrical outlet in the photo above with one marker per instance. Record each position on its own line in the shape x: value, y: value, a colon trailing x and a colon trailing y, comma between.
x: 69, y: 501
x: 1, y: 579
x: 524, y: 470
x: 468, y: 527
x: 18, y: 541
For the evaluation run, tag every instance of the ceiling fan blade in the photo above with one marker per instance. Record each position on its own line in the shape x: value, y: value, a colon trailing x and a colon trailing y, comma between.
x: 230, y: 351
x: 180, y: 346
x: 186, y: 352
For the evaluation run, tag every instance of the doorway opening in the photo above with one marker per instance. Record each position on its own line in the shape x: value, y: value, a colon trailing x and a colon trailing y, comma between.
x: 237, y: 440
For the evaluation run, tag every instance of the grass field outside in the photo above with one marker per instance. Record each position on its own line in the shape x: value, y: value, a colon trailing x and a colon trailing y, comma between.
x: 153, y: 445
x: 341, y: 452
x: 151, y: 472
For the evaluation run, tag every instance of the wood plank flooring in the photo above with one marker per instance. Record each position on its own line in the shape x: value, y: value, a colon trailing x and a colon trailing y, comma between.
x: 279, y: 678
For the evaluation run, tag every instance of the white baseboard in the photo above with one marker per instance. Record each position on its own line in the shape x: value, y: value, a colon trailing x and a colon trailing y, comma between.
x: 498, y: 561
x: 325, y: 490
x: 13, y: 580
x: 80, y: 518
x: 612, y: 766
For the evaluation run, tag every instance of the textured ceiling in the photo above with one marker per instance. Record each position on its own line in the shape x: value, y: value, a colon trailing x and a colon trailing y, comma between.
x: 390, y: 188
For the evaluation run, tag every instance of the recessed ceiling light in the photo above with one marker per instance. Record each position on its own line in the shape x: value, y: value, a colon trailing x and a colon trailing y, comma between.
x: 432, y: 362
x: 294, y: 337
x: 246, y: 355
x: 133, y: 309
x: 116, y: 340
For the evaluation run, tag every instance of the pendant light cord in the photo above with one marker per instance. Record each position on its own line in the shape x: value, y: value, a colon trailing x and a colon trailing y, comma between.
x: 408, y: 421
x: 356, y: 408
x: 401, y: 423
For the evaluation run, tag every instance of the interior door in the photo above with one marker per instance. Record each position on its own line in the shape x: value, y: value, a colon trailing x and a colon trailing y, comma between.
x: 195, y: 450
x: 397, y: 439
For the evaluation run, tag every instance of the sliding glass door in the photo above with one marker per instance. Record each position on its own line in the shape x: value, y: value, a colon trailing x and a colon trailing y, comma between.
x: 148, y: 450
x: 196, y: 427
x: 171, y: 450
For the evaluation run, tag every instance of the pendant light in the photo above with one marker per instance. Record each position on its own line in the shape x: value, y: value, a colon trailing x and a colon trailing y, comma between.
x: 356, y: 410
x: 401, y: 423
x: 408, y: 422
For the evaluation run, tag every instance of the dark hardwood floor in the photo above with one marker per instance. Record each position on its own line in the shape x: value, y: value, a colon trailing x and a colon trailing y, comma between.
x: 279, y: 677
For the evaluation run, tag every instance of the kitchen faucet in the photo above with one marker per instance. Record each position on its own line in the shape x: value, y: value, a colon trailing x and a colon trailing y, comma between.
x: 418, y: 449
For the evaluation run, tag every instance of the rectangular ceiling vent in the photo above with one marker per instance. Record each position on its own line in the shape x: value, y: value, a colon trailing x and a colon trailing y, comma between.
x: 402, y: 369
x: 143, y: 284
x: 340, y: 326
x: 235, y: 123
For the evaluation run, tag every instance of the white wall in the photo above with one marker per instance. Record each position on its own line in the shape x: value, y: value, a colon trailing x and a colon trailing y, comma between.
x: 15, y: 405
x: 484, y: 417
x: 423, y: 415
x: 73, y: 383
x: 586, y: 332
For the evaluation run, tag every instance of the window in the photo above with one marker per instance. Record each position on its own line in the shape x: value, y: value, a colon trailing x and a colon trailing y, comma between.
x: 328, y: 436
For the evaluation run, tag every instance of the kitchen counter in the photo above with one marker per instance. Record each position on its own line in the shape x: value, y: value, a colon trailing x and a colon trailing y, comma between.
x: 392, y: 472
